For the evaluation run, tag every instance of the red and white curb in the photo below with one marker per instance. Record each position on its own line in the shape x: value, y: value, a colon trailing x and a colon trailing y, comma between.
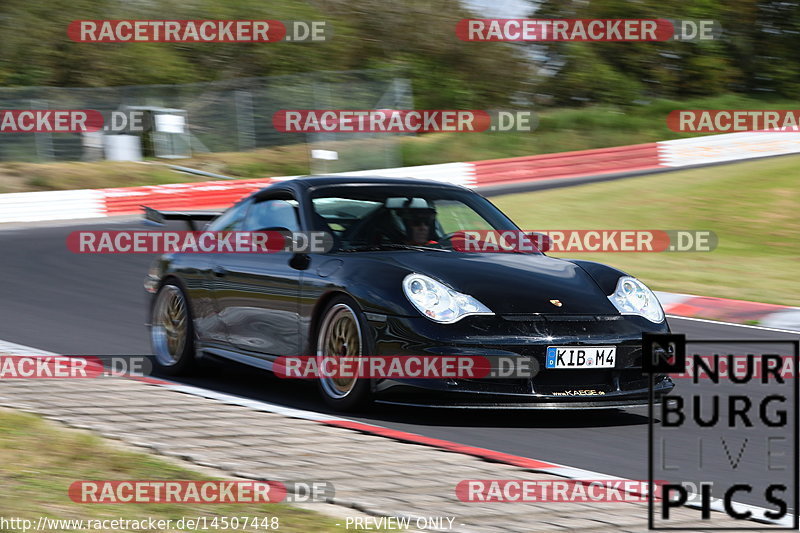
x: 769, y: 316
x: 52, y: 205
x: 569, y: 472
x: 727, y: 147
x: 638, y: 158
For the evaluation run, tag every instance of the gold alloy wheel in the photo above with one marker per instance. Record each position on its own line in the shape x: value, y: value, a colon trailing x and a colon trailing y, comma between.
x: 339, y: 337
x: 170, y: 325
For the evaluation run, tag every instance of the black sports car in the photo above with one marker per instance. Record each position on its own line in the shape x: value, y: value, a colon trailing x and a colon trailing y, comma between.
x: 394, y: 284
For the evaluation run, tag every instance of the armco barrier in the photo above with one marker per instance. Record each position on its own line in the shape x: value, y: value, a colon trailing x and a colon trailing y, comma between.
x: 567, y: 164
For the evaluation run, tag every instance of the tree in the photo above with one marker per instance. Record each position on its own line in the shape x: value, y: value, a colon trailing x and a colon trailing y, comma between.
x: 758, y: 51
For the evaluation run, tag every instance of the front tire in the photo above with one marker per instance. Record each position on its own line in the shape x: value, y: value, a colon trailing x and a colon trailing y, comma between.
x: 172, y: 331
x: 342, y: 334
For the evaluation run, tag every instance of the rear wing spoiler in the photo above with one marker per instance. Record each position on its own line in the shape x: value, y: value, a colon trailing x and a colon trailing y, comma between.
x: 154, y: 216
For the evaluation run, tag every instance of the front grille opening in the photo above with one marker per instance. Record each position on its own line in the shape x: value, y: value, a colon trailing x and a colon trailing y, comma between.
x: 606, y: 380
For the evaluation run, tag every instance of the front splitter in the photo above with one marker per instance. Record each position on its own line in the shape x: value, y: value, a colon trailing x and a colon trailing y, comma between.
x: 573, y: 406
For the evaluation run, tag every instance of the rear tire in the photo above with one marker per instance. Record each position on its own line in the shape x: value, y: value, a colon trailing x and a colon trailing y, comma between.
x: 342, y: 333
x: 172, y: 331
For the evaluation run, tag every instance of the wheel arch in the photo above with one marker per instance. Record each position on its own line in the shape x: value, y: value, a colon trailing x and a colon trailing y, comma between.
x: 316, y: 315
x: 174, y: 280
x: 164, y: 281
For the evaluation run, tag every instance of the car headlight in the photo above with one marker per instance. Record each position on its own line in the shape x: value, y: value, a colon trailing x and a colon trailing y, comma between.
x: 632, y: 297
x: 439, y: 302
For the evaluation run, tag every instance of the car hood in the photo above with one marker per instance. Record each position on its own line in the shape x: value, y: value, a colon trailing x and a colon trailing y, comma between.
x: 515, y: 283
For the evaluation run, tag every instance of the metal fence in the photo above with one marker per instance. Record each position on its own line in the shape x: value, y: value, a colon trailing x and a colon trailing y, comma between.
x: 222, y: 116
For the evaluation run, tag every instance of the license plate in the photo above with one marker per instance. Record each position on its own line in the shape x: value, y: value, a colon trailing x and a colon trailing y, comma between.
x: 581, y: 357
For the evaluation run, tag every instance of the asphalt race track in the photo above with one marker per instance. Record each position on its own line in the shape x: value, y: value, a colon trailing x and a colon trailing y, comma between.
x: 63, y: 302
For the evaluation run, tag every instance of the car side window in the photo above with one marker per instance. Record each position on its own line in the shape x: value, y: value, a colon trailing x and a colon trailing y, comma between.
x: 230, y: 219
x: 272, y: 214
x: 455, y: 216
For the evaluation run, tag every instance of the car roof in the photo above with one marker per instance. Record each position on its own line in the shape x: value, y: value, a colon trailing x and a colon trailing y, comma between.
x: 314, y: 181
x: 302, y: 184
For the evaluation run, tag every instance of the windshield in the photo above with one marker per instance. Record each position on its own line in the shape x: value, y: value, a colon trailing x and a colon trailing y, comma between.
x: 385, y: 217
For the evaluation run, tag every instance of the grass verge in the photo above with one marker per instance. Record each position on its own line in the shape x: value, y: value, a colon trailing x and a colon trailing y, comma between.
x: 40, y: 460
x: 754, y: 208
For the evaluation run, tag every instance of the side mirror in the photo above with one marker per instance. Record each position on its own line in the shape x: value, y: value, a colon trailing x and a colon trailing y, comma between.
x: 285, y: 232
x: 300, y: 261
x: 541, y: 241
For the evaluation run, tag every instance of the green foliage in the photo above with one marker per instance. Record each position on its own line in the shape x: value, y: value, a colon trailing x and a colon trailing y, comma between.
x: 416, y: 39
x: 587, y: 78
x: 757, y: 53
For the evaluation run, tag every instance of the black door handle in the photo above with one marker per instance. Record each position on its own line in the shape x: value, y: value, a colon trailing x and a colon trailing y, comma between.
x: 219, y: 271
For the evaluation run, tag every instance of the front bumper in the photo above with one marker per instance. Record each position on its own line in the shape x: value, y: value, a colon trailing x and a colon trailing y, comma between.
x: 521, y: 336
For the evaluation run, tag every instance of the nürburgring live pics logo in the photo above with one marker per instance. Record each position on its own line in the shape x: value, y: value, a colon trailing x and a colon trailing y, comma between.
x: 725, y: 440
